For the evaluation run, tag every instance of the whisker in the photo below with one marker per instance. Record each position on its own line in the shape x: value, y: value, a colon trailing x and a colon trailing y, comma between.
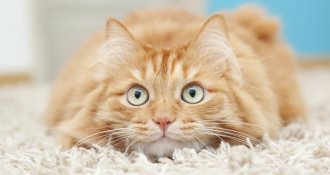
x: 200, y: 141
x: 100, y: 142
x: 240, y: 140
x: 230, y: 131
x: 236, y: 134
x: 119, y: 139
x: 87, y: 138
x: 103, y: 134
x: 195, y: 143
x: 230, y: 122
x: 90, y: 140
x: 133, y: 142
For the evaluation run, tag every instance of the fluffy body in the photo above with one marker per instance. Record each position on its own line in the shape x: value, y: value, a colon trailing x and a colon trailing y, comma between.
x: 238, y: 57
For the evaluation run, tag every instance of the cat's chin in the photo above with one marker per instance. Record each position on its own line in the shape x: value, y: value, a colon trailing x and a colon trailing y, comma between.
x: 164, y: 147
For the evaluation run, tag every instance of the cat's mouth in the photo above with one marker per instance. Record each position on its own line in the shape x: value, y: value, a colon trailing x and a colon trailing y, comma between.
x: 163, y: 146
x: 164, y: 139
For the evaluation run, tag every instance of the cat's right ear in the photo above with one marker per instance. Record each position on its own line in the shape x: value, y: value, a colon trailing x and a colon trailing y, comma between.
x: 119, y: 46
x: 119, y: 41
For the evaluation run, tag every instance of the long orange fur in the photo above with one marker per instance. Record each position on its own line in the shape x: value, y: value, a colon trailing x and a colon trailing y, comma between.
x: 238, y: 57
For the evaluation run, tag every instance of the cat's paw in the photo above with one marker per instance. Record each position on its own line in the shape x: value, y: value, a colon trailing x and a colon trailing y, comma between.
x: 67, y: 142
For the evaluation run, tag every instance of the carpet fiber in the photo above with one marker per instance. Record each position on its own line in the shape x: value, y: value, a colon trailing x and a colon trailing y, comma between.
x: 27, y: 148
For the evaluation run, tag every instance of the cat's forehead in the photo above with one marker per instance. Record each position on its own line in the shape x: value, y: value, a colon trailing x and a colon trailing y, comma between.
x: 165, y: 64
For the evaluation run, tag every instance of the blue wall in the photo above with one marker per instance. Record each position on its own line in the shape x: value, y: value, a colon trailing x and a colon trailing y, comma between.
x: 306, y: 23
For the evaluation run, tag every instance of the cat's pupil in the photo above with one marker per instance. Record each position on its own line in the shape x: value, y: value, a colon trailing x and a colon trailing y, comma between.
x: 192, y: 92
x: 137, y: 94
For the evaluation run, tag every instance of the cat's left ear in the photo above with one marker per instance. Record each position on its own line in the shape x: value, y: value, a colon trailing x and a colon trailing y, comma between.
x: 212, y: 43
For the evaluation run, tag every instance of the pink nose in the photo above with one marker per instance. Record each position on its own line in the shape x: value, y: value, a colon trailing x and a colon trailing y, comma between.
x: 163, y: 122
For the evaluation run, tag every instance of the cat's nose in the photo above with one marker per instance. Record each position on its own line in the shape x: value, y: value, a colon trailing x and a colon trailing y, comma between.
x: 163, y: 122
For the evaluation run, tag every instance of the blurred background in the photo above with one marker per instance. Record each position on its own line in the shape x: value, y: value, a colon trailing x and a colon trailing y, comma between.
x: 38, y: 36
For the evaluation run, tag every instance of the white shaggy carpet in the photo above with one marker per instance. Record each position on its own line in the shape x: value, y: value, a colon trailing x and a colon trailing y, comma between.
x: 27, y: 148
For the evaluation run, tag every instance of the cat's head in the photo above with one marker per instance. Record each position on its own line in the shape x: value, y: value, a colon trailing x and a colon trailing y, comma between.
x: 159, y: 99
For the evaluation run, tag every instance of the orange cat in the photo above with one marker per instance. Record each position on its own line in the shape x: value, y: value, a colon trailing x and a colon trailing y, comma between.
x: 168, y: 79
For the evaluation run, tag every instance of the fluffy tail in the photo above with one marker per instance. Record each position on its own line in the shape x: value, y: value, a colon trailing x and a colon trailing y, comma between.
x: 255, y: 19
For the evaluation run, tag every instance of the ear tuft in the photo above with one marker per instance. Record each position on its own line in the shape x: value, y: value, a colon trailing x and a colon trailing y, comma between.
x: 212, y: 43
x: 117, y: 36
x: 118, y: 47
x: 211, y: 40
x: 116, y: 28
x: 216, y: 22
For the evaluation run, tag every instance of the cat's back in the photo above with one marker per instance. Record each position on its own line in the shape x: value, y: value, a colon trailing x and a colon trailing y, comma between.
x: 163, y: 28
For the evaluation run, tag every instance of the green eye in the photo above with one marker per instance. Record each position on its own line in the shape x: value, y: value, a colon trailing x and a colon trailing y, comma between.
x: 192, y: 94
x: 137, y: 96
